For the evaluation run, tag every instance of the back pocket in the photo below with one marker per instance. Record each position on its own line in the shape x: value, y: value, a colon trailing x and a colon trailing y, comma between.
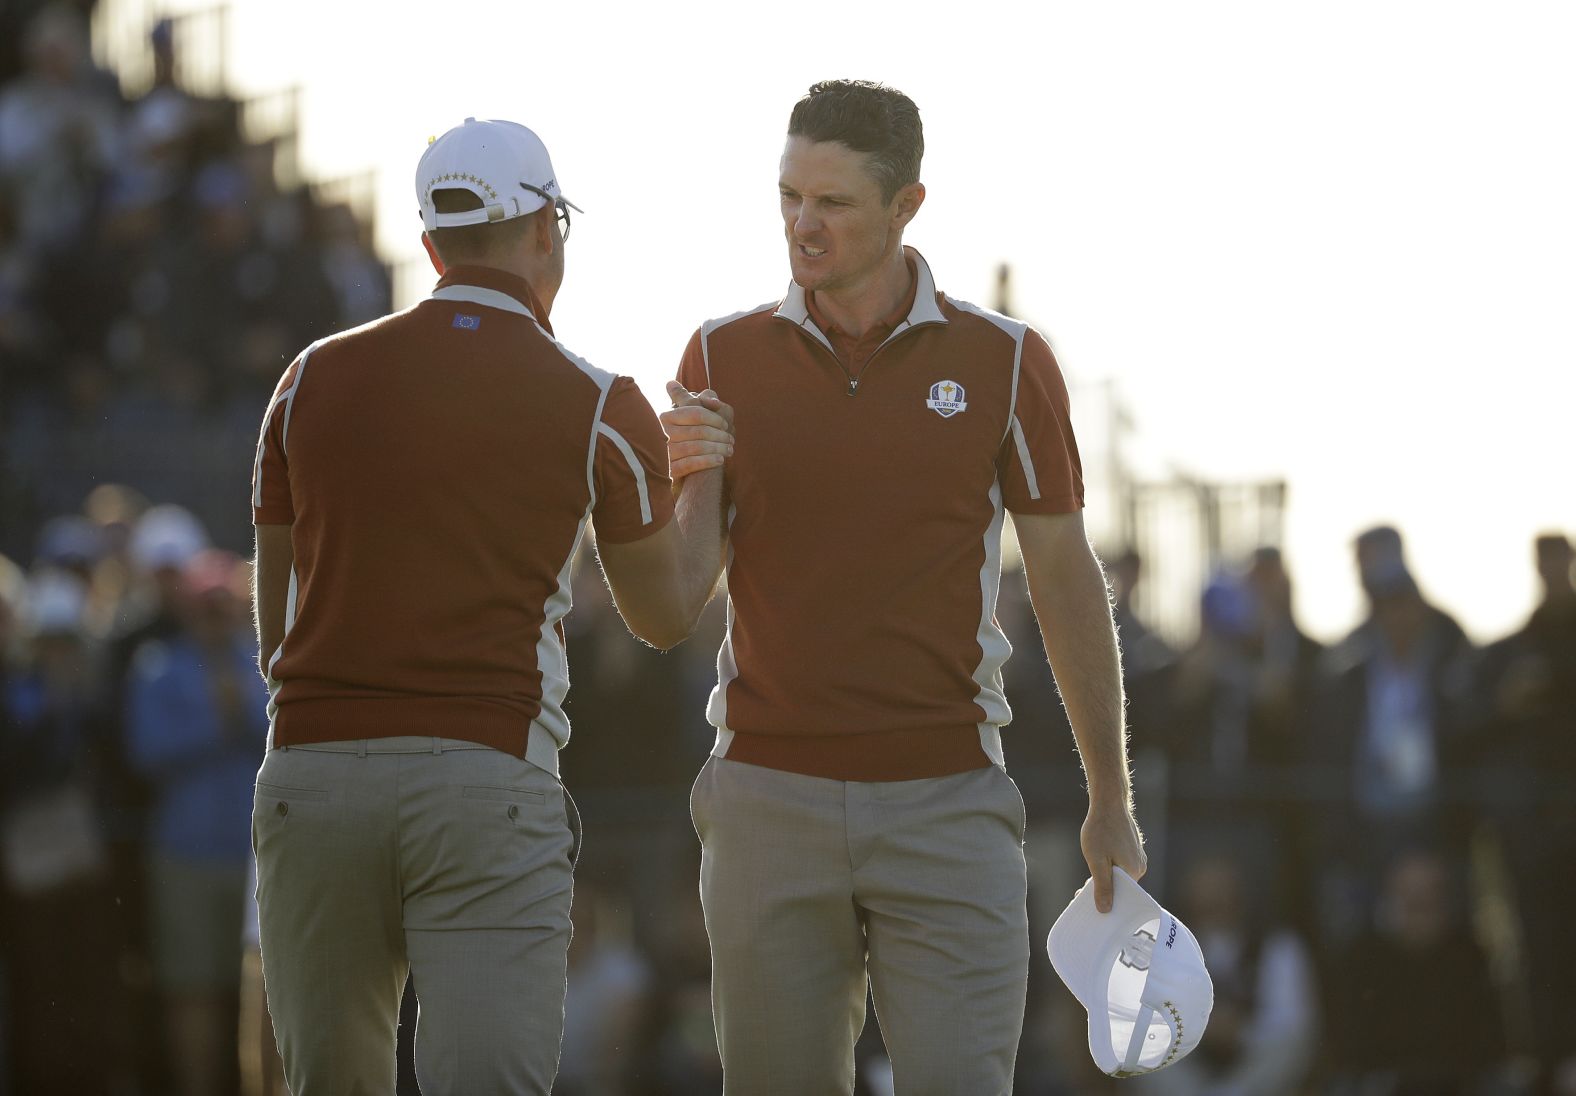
x: 289, y: 795
x: 503, y: 795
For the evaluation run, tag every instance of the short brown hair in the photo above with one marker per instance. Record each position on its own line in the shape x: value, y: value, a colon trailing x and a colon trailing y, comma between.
x: 472, y: 243
x: 866, y: 117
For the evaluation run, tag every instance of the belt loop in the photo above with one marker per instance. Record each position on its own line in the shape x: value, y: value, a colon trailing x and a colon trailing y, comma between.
x: 361, y: 747
x: 437, y: 744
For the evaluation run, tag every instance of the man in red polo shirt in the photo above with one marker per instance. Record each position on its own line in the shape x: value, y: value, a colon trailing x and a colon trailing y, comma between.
x: 421, y: 486
x: 856, y: 822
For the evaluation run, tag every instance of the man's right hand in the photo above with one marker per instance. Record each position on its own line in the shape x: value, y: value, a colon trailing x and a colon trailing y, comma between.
x: 1110, y: 838
x: 699, y: 427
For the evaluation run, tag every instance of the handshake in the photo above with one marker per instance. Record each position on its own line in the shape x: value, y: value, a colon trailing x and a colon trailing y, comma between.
x: 699, y: 427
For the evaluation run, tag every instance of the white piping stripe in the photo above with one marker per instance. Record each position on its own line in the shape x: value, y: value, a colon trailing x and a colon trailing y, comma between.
x: 1017, y: 362
x: 1018, y: 330
x: 727, y: 667
x: 1024, y: 458
x: 635, y: 469
x: 491, y: 298
x: 287, y: 398
x: 273, y: 683
x: 596, y: 424
x: 994, y: 647
x: 284, y: 434
x: 604, y: 380
x: 257, y: 465
x: 552, y: 661
x: 475, y: 294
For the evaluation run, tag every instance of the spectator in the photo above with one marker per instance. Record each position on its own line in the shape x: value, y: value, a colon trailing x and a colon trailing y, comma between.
x: 196, y: 726
x: 163, y: 543
x: 609, y: 996
x: 1264, y: 1028
x: 1149, y: 663
x: 66, y: 1034
x: 681, y: 1051
x: 72, y: 545
x: 261, y: 1071
x: 159, y: 543
x: 1414, y: 1010
x: 1286, y: 662
x: 1527, y: 773
x: 57, y: 132
x: 1210, y: 724
x: 1220, y: 744
x: 1287, y: 667
x: 1144, y: 653
x: 1393, y: 732
x: 359, y: 280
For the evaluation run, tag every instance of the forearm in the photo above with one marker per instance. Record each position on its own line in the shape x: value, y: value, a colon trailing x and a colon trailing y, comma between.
x: 1074, y: 613
x: 271, y: 589
x: 698, y: 509
x: 270, y: 627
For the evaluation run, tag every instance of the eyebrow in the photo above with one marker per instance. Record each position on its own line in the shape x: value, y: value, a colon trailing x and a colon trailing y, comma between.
x: 834, y: 196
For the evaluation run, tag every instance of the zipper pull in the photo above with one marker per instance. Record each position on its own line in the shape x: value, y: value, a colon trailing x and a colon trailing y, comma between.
x: 853, y: 385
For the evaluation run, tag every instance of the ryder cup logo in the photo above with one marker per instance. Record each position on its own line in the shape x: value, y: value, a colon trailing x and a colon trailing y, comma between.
x: 947, y: 398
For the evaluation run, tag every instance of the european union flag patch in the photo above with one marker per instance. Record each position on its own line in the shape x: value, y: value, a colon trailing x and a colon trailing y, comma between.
x: 467, y: 323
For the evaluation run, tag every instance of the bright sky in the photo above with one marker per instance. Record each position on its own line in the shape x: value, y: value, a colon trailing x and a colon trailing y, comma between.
x: 1331, y: 243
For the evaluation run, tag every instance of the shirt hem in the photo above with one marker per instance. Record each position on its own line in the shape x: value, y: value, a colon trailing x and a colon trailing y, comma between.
x: 306, y: 722
x: 877, y: 756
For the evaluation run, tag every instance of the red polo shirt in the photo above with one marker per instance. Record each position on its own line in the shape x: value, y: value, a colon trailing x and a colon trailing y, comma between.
x: 865, y: 530
x: 437, y: 468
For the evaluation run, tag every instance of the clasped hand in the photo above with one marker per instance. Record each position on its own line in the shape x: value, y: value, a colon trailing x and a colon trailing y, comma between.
x: 699, y: 427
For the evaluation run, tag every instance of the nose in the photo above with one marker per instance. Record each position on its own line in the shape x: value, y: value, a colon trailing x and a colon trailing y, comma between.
x: 803, y: 220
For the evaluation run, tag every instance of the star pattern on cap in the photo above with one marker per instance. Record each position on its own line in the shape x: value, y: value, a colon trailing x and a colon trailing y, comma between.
x: 463, y: 177
x: 1176, y: 1044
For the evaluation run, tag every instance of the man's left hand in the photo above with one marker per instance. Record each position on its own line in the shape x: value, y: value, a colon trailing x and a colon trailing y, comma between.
x: 699, y: 427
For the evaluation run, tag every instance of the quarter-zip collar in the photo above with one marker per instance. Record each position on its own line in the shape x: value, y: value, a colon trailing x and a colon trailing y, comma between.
x: 795, y: 306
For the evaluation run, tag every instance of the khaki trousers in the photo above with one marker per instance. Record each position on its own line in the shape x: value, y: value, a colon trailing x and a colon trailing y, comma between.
x: 444, y: 859
x: 812, y: 886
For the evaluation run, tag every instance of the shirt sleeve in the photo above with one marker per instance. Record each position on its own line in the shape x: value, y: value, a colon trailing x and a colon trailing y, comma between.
x: 693, y: 373
x: 1039, y: 466
x: 271, y: 502
x: 634, y: 496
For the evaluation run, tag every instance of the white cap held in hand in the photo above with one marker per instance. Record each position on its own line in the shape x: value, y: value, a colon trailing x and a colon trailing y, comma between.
x: 1138, y: 972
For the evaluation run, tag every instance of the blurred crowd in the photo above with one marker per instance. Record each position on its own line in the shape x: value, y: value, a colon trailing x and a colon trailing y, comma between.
x: 1374, y: 841
x: 155, y: 279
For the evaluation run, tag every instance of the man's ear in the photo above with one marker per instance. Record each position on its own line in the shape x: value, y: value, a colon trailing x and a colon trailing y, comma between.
x: 432, y: 253
x: 906, y: 203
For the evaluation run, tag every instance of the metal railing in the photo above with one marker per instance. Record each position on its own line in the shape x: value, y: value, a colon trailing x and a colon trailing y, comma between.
x: 201, y: 40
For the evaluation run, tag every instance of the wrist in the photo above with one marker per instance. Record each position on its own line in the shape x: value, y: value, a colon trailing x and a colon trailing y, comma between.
x: 1110, y: 796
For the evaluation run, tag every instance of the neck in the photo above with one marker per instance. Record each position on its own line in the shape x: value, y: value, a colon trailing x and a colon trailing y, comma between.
x: 857, y: 309
x: 1559, y: 597
x: 537, y: 270
x: 537, y: 274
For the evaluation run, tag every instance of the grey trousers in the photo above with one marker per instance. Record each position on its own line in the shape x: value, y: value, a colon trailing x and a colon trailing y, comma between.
x: 444, y: 859
x: 812, y: 886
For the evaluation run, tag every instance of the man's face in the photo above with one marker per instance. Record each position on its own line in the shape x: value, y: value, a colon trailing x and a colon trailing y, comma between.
x: 839, y: 230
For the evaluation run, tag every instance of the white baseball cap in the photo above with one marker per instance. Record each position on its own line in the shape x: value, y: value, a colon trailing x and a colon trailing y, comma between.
x: 502, y: 163
x: 1139, y: 973
x: 166, y: 536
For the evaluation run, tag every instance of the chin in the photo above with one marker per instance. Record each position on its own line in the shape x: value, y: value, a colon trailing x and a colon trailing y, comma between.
x: 807, y: 277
